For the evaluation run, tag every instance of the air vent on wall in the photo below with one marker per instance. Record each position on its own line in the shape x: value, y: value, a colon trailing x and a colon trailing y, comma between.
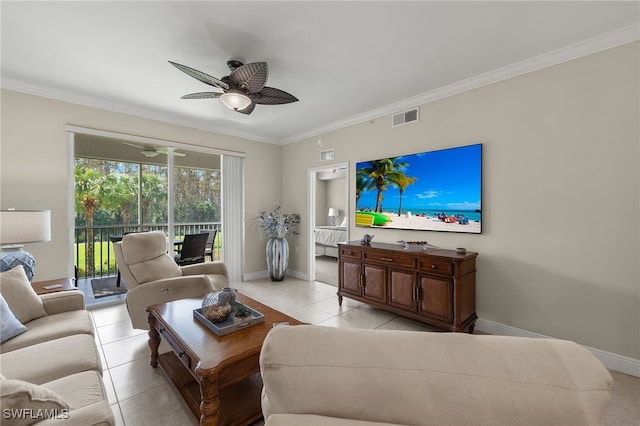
x: 404, y: 117
x: 327, y: 154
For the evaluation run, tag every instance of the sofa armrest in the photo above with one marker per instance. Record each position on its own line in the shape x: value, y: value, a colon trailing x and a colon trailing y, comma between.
x: 163, y: 291
x: 63, y: 301
x: 208, y: 268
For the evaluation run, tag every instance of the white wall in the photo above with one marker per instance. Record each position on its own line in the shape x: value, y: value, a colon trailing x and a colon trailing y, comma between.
x: 34, y: 168
x: 335, y: 198
x: 560, y: 249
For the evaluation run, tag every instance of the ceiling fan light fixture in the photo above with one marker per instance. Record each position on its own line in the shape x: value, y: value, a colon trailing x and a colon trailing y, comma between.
x: 149, y: 153
x: 235, y: 100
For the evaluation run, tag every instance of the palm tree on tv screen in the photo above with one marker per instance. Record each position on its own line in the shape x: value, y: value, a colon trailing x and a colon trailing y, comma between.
x: 401, y: 181
x: 382, y: 173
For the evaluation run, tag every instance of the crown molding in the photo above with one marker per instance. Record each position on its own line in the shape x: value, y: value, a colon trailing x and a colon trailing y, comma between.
x: 587, y: 47
x: 64, y: 95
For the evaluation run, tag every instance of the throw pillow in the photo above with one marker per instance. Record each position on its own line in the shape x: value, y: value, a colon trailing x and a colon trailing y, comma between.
x: 29, y: 403
x: 20, y: 296
x: 10, y: 327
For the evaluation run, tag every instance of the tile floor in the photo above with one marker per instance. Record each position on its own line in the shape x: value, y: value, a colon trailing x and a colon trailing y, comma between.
x: 139, y: 393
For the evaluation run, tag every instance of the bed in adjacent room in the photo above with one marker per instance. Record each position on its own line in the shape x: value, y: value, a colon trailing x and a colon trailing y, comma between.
x: 327, y: 239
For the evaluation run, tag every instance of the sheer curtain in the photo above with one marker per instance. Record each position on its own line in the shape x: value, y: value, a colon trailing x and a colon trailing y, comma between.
x: 233, y: 215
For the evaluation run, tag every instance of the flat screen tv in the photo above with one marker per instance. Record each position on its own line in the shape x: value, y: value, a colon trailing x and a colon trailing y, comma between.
x: 428, y: 191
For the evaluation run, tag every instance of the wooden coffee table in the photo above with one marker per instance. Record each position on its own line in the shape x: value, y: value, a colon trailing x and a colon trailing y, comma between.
x: 218, y: 377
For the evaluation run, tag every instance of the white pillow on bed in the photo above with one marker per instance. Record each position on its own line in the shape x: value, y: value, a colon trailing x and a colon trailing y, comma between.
x: 344, y: 223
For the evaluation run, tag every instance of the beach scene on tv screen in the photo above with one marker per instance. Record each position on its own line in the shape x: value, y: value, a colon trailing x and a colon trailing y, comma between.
x: 432, y: 191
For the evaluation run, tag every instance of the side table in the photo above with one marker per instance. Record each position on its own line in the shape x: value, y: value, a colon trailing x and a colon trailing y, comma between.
x: 51, y: 286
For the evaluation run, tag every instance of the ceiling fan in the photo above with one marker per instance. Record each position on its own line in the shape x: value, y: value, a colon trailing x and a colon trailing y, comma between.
x: 150, y: 151
x: 242, y: 89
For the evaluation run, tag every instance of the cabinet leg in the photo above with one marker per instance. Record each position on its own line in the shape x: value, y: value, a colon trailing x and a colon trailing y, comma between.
x: 339, y: 300
x: 472, y: 327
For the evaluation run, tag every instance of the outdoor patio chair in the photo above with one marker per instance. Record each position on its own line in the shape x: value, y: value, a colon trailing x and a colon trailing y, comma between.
x: 192, y: 249
x: 208, y: 250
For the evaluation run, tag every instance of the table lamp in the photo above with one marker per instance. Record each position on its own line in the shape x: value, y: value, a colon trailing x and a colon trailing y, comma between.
x: 18, y: 227
x: 333, y: 213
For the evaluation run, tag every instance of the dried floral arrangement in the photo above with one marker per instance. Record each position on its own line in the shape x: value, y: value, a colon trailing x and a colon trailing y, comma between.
x: 278, y: 224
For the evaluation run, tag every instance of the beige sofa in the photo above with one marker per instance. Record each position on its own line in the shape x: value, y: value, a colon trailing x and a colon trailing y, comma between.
x: 52, y: 369
x: 152, y: 276
x: 318, y: 376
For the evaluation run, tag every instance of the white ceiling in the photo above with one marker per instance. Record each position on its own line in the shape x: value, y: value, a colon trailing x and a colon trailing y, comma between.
x: 347, y: 62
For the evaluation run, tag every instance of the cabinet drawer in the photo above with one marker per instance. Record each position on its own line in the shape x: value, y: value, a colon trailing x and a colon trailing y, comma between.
x: 180, y: 353
x: 351, y: 253
x: 392, y: 259
x: 436, y: 266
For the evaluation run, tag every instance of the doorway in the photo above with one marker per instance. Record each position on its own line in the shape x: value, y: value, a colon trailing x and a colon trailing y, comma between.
x: 328, y: 216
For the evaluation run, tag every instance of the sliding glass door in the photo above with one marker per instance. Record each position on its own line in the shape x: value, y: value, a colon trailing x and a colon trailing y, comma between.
x: 122, y: 186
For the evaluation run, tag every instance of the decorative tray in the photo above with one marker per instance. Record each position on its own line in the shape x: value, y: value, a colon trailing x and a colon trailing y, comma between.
x: 232, y: 323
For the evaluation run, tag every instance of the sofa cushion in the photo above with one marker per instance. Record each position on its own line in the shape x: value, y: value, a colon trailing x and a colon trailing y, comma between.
x: 20, y: 296
x: 314, y: 420
x: 51, y: 360
x: 86, y: 396
x: 10, y: 327
x: 51, y: 327
x: 80, y: 389
x: 30, y: 402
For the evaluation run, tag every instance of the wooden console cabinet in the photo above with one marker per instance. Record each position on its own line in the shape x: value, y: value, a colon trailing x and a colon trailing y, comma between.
x: 434, y: 286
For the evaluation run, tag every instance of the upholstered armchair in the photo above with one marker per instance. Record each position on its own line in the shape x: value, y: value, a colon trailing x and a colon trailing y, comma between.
x: 152, y: 276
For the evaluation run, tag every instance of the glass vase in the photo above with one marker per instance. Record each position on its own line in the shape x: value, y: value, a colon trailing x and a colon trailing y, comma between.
x: 277, y: 258
x: 217, y: 307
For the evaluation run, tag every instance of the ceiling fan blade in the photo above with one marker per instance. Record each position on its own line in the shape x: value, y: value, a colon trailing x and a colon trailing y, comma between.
x: 149, y: 152
x: 272, y: 96
x: 134, y: 145
x: 250, y: 77
x: 163, y: 150
x: 199, y: 75
x: 248, y: 110
x: 201, y: 95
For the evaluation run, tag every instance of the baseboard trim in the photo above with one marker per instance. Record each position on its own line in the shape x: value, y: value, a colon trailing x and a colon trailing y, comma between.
x: 265, y: 274
x: 612, y: 361
x: 255, y: 275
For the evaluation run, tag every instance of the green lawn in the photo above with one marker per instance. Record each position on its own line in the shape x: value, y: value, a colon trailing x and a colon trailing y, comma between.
x: 107, y: 253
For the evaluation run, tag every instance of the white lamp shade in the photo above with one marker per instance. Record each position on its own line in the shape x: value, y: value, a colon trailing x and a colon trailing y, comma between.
x: 25, y: 226
x: 333, y: 212
x: 235, y: 100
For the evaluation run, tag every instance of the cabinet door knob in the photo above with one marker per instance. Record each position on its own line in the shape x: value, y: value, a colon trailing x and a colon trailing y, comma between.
x: 434, y: 267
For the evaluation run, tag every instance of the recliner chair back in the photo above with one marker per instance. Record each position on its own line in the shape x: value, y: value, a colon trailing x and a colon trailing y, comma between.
x: 143, y: 257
